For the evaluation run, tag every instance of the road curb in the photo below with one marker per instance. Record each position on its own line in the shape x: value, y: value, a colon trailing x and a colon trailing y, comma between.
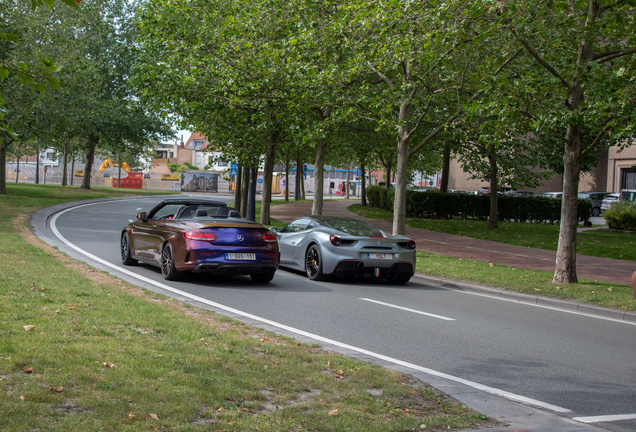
x: 566, y: 305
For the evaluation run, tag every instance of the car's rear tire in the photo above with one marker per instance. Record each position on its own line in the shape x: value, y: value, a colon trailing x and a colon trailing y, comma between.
x: 262, y: 277
x: 313, y: 264
x: 126, y: 257
x: 168, y: 270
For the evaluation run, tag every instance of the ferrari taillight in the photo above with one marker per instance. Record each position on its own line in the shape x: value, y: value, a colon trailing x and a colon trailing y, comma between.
x: 269, y: 237
x: 335, y: 240
x: 199, y: 235
x: 411, y: 245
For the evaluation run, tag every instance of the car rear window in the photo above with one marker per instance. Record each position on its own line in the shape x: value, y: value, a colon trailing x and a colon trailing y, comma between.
x: 352, y: 227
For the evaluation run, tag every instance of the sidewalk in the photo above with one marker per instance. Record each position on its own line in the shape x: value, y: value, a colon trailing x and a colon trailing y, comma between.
x: 601, y: 269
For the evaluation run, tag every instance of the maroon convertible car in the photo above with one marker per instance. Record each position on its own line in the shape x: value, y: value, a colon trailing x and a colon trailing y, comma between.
x: 181, y: 235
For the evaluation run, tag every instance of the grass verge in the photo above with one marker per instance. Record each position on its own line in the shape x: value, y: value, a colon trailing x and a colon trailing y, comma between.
x: 596, y: 243
x: 81, y: 350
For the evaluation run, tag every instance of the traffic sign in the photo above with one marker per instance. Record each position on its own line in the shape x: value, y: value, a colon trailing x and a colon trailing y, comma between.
x: 358, y: 172
x: 259, y: 181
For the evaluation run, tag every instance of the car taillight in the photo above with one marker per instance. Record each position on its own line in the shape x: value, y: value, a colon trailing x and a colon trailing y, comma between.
x: 335, y: 240
x: 269, y: 237
x: 199, y: 235
x: 407, y: 245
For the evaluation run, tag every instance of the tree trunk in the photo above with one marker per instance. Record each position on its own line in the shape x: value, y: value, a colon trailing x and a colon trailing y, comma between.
x: 93, y: 140
x: 73, y: 168
x: 319, y: 176
x: 302, y: 182
x: 6, y: 142
x: 387, y: 168
x: 287, y: 178
x: 65, y: 168
x: 565, y: 266
x: 17, y: 172
x: 347, y: 180
x: 245, y: 191
x: 268, y: 172
x: 494, y: 209
x: 403, y: 155
x: 363, y: 186
x: 445, y: 168
x: 237, y: 188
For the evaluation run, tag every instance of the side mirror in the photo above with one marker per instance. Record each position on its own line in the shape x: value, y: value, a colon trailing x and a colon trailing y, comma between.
x: 274, y: 230
x: 141, y: 215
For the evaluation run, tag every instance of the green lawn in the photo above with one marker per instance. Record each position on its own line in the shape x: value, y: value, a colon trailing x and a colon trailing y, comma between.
x: 81, y: 350
x: 542, y: 236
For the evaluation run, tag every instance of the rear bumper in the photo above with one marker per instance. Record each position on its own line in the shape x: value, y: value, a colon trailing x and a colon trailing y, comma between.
x: 385, y: 269
x: 234, y: 268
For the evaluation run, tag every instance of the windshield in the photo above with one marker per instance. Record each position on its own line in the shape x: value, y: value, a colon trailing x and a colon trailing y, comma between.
x: 352, y: 227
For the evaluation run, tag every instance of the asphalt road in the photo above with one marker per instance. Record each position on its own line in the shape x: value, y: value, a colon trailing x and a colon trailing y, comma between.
x: 574, y: 365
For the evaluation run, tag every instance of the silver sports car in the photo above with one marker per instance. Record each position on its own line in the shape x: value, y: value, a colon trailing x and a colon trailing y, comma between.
x: 323, y: 246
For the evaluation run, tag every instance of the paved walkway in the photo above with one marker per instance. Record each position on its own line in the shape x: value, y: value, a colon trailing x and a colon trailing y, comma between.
x: 602, y: 269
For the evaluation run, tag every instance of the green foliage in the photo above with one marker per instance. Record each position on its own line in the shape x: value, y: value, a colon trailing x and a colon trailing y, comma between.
x: 190, y: 166
x: 175, y: 167
x: 447, y: 206
x: 621, y: 215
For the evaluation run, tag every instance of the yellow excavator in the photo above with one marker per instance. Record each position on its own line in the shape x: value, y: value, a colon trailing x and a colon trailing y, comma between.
x: 108, y: 163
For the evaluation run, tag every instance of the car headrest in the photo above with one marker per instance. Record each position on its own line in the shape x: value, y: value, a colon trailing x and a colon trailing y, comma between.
x: 234, y: 214
x: 202, y: 212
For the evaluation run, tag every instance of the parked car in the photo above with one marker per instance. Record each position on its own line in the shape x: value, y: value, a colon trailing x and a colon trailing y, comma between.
x: 486, y: 190
x: 609, y: 200
x: 457, y: 191
x: 597, y: 199
x: 180, y: 235
x: 392, y: 185
x: 551, y: 194
x: 628, y: 195
x: 519, y: 193
x: 323, y: 246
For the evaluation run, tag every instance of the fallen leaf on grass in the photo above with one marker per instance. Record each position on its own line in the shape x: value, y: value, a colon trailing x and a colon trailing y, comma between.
x: 71, y: 307
x: 491, y: 264
x: 57, y: 389
x: 58, y: 311
x: 154, y: 416
x: 22, y: 398
x: 29, y: 370
x: 220, y: 409
x: 108, y: 364
x: 28, y: 327
x: 333, y: 412
x: 131, y: 416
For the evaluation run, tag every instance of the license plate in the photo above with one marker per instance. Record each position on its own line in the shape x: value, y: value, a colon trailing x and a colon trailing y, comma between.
x: 240, y: 256
x: 379, y: 256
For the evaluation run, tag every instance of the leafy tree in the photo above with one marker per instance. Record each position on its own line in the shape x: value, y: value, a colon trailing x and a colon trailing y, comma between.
x: 576, y: 80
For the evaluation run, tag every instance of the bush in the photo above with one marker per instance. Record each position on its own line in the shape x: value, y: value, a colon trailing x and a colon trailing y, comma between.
x: 621, y: 215
x: 446, y: 206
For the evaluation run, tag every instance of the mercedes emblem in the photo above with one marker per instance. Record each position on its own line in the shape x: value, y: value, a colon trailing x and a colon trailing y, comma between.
x: 240, y: 237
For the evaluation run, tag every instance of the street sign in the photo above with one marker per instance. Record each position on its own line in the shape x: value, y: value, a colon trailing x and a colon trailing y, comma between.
x: 233, y: 170
x: 358, y: 172
x: 259, y: 181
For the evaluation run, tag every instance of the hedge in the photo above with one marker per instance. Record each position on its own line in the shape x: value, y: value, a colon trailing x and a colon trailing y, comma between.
x: 621, y: 215
x: 436, y: 205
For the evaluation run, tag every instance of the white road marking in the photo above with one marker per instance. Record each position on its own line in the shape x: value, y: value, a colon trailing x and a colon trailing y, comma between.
x: 605, y: 418
x: 481, y: 387
x: 408, y: 310
x: 511, y: 300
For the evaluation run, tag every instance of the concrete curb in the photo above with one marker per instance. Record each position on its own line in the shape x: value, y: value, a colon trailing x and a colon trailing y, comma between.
x: 567, y: 305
